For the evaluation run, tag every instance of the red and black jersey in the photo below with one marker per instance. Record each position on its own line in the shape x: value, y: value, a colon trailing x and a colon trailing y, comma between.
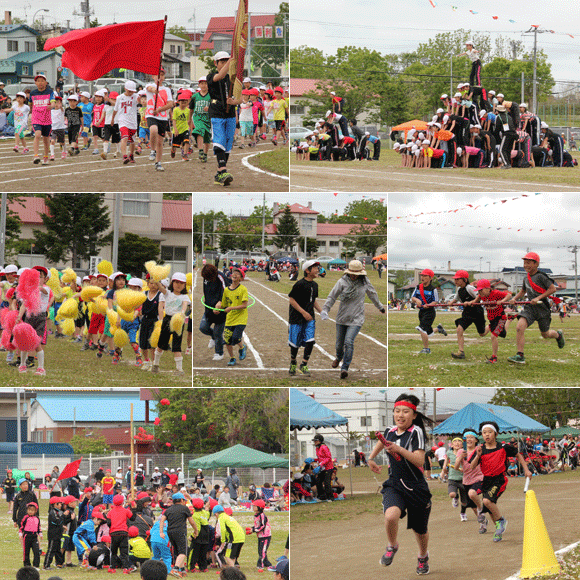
x: 494, y: 310
x: 495, y: 461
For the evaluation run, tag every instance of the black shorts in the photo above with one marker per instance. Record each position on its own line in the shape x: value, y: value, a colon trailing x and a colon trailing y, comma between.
x: 426, y: 319
x: 493, y: 487
x: 145, y: 331
x: 280, y: 125
x: 57, y: 135
x: 166, y: 333
x: 98, y: 131
x: 9, y: 495
x: 112, y: 133
x: 477, y: 488
x: 533, y: 313
x: 181, y: 139
x: 38, y: 322
x: 178, y: 542
x: 497, y: 326
x: 234, y: 550
x: 162, y: 126
x: 44, y: 129
x: 233, y: 334
x: 415, y: 503
x: 73, y: 133
x: 467, y: 319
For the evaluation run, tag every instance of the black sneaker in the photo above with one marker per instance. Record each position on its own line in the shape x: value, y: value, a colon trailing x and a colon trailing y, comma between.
x: 86, y: 346
x: 15, y: 363
x: 101, y: 350
x: 30, y: 362
x: 458, y: 355
x: 343, y: 374
x: 423, y: 565
x: 71, y: 565
x: 492, y: 359
x: 387, y: 557
x: 93, y: 346
x: 560, y: 340
x: 441, y: 330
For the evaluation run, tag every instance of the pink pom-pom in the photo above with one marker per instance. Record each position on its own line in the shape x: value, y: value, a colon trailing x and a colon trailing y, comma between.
x: 7, y: 320
x: 28, y: 291
x: 25, y: 337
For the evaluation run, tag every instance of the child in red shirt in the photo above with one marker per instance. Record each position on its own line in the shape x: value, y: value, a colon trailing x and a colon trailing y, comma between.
x: 494, y: 302
x: 119, y: 531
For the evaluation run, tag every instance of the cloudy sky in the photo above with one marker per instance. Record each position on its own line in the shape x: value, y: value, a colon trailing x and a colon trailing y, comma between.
x: 396, y: 26
x: 448, y: 400
x: 470, y: 237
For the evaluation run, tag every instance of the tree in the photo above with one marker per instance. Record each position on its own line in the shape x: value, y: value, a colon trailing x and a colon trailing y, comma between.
x: 368, y: 239
x: 269, y: 53
x: 76, y: 224
x: 306, y: 61
x: 367, y: 209
x: 239, y: 235
x: 82, y: 444
x: 209, y: 222
x: 311, y: 245
x: 134, y: 251
x: 288, y: 230
x: 182, y: 33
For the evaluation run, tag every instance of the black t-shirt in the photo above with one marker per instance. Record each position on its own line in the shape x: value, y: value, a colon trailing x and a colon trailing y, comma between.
x: 305, y: 293
x: 150, y: 308
x: 177, y: 516
x: 218, y: 92
x: 9, y: 484
x: 73, y: 116
x: 412, y: 440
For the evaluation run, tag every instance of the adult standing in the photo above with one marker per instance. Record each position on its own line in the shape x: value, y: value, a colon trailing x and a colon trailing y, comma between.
x: 180, y: 478
x: 222, y: 112
x: 156, y: 478
x: 99, y: 474
x: 356, y: 458
x: 21, y: 502
x: 159, y: 103
x: 351, y: 289
x: 233, y: 482
x: 199, y: 480
x: 214, y: 285
x: 55, y: 474
x: 326, y: 464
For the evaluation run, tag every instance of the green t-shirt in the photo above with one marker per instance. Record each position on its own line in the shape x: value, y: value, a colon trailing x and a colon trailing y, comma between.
x: 181, y: 118
x: 453, y: 473
x: 200, y: 117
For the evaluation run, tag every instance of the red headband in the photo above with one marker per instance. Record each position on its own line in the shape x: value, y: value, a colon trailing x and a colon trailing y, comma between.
x: 406, y: 404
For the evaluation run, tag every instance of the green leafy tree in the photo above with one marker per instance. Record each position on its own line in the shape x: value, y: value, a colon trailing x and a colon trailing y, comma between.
x: 288, y: 230
x: 371, y: 209
x: 270, y: 53
x: 177, y: 195
x: 134, y: 251
x: 239, y: 235
x: 306, y: 62
x: 182, y: 33
x: 75, y: 226
x: 311, y: 245
x: 83, y: 444
x: 212, y: 221
x: 368, y: 239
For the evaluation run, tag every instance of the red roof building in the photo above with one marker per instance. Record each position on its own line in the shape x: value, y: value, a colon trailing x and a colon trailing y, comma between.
x: 220, y: 30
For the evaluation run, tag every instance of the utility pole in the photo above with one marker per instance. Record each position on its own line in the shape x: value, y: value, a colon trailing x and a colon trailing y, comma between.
x: 574, y: 250
x: 3, y: 227
x: 450, y: 76
x: 535, y: 30
x: 263, y: 221
x: 202, y: 238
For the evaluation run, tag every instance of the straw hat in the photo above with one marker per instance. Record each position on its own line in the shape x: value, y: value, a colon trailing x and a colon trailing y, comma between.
x: 356, y: 268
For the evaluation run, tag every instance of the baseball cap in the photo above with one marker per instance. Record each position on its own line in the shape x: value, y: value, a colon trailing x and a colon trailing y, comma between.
x: 483, y: 283
x: 531, y: 256
x: 544, y: 125
x: 309, y: 264
x: 113, y: 94
x: 178, y: 496
x: 426, y: 141
x: 40, y: 76
x: 221, y: 55
x: 130, y: 86
x: 179, y: 277
x: 491, y: 93
x: 525, y: 105
x: 102, y: 93
x: 397, y: 146
x: 499, y: 95
x: 482, y: 113
x: 278, y: 90
x: 73, y: 98
x: 283, y: 568
x: 247, y: 80
x: 202, y: 80
x: 428, y: 272
x: 136, y: 282
x: 21, y: 94
x: 86, y: 94
x: 461, y: 274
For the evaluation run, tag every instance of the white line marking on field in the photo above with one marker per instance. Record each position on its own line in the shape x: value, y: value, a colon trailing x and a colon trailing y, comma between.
x: 561, y: 552
x: 194, y: 282
x: 351, y: 370
x: 254, y: 351
x: 332, y: 319
x: 309, y: 188
x: 246, y: 163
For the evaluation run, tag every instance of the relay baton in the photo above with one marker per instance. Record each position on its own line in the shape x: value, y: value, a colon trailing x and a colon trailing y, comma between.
x: 387, y: 444
x: 527, y: 484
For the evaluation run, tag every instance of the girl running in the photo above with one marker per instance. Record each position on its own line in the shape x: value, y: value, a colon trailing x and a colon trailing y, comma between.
x: 492, y: 456
x: 406, y: 489
x: 472, y: 477
x: 455, y: 487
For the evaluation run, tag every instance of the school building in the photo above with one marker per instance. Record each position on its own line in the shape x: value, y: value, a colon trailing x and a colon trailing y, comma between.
x: 142, y: 213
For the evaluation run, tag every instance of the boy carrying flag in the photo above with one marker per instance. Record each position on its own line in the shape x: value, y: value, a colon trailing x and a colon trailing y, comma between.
x: 537, y: 287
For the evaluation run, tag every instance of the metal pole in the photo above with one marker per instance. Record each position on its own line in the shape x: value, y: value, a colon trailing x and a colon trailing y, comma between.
x: 202, y: 238
x: 132, y: 484
x: 248, y: 54
x: 450, y: 76
x: 523, y: 97
x: 434, y: 408
x: 18, y: 434
x: 534, y: 86
x: 115, y: 256
x: 3, y: 227
x: 263, y: 220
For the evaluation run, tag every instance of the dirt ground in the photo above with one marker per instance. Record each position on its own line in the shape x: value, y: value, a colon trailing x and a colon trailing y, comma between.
x: 456, y: 550
x: 267, y: 340
x: 354, y: 177
x: 88, y: 172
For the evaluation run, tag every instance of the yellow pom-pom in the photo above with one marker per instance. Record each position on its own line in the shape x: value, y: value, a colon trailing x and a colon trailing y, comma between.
x: 105, y: 267
x: 69, y: 309
x: 112, y: 317
x: 129, y: 316
x: 100, y: 305
x: 156, y: 271
x: 90, y: 292
x: 176, y: 323
x: 68, y: 276
x: 120, y: 338
x: 189, y: 279
x: 68, y: 327
x: 130, y: 300
x: 154, y: 339
x: 54, y: 284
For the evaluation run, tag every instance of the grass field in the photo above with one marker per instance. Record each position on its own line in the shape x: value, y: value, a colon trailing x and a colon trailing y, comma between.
x: 66, y: 365
x: 275, y: 161
x: 11, y: 550
x: 546, y: 364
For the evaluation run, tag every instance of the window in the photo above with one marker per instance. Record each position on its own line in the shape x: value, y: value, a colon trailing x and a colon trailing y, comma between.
x: 136, y: 204
x: 366, y: 422
x: 172, y: 48
x: 12, y: 46
x: 179, y: 49
x: 30, y: 46
x: 333, y: 244
x: 297, y: 110
x: 37, y: 437
x: 50, y: 437
x: 174, y: 253
x: 25, y: 70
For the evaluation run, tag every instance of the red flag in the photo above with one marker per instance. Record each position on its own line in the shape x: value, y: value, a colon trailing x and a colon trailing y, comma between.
x: 70, y: 470
x: 92, y: 52
x: 239, y: 43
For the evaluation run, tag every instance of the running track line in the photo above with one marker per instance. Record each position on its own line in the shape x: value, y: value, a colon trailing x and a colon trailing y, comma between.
x: 496, y: 184
x: 194, y: 282
x: 286, y: 323
x: 254, y: 351
x: 561, y: 552
x: 332, y: 319
x: 246, y: 163
x: 285, y: 369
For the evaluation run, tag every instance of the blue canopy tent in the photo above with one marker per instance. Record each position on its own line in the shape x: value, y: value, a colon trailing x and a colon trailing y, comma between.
x: 306, y: 413
x: 507, y: 418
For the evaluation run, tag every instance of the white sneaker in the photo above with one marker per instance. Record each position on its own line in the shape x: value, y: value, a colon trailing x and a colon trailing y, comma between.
x: 463, y: 517
x: 146, y: 365
x: 188, y: 350
x: 455, y: 502
x: 217, y: 356
x: 211, y: 343
x: 152, y: 156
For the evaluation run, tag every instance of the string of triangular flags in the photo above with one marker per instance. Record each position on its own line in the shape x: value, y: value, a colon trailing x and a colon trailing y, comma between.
x: 444, y: 225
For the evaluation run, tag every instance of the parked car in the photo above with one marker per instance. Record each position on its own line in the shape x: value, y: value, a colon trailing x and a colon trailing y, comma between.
x: 299, y: 133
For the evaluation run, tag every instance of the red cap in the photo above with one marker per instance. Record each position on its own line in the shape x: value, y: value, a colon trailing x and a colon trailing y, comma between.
x: 212, y: 503
x: 229, y: 511
x: 279, y: 90
x: 434, y: 448
x: 142, y: 495
x: 259, y: 503
x: 269, y: 92
x: 427, y: 272
x: 483, y: 284
x: 33, y: 503
x: 67, y: 499
x: 461, y: 274
x: 55, y: 499
x: 197, y: 503
x: 113, y: 94
x: 246, y: 92
x: 254, y: 91
x: 88, y: 489
x: 133, y: 531
x: 118, y: 499
x: 532, y: 256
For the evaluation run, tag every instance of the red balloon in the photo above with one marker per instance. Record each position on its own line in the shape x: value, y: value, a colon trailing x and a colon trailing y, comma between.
x: 157, y: 421
x: 168, y: 444
x: 184, y: 417
x: 164, y: 401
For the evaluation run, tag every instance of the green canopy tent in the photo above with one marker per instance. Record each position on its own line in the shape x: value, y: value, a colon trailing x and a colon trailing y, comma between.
x: 561, y: 431
x: 238, y: 456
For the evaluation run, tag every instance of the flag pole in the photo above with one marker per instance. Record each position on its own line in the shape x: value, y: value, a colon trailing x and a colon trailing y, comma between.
x: 160, y: 60
x: 132, y: 458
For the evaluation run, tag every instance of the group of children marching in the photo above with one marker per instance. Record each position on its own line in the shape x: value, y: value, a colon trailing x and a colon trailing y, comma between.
x: 537, y: 287
x: 111, y: 531
x: 109, y: 310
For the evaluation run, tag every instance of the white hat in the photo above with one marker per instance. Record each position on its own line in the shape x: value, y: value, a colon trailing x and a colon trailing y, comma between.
x: 2, y: 83
x: 478, y: 126
x: 431, y: 123
x: 333, y: 93
x: 329, y: 112
x: 156, y: 469
x: 262, y: 87
x: 78, y: 281
x: 459, y: 151
x: 179, y: 469
x: 165, y: 282
x: 414, y: 147
x: 438, y: 125
x: 142, y: 93
x: 500, y: 95
x: 202, y: 80
x: 367, y: 134
x: 465, y: 84
x: 130, y: 86
x: 20, y: 94
x: 457, y: 95
x: 445, y: 119
x: 247, y: 80
x: 172, y: 471
x: 73, y: 97
x: 403, y: 146
x: 544, y: 125
x: 12, y: 269
x: 222, y: 54
x: 309, y: 264
x: 525, y: 105
x: 440, y: 110
x: 482, y: 113
x: 135, y: 282
x: 460, y: 86
x: 179, y: 277
x: 444, y: 96
x: 426, y: 142
x: 114, y: 275
x: 421, y: 135
x: 86, y: 94
x: 20, y: 271
x: 100, y: 93
x: 397, y: 146
x: 86, y: 278
x: 491, y: 93
x: 469, y: 42
x: 435, y: 117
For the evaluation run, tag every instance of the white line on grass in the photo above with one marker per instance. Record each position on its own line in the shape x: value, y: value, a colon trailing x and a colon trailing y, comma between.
x: 285, y: 369
x: 332, y: 319
x: 194, y: 282
x: 561, y: 552
x: 246, y: 163
x: 254, y: 351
